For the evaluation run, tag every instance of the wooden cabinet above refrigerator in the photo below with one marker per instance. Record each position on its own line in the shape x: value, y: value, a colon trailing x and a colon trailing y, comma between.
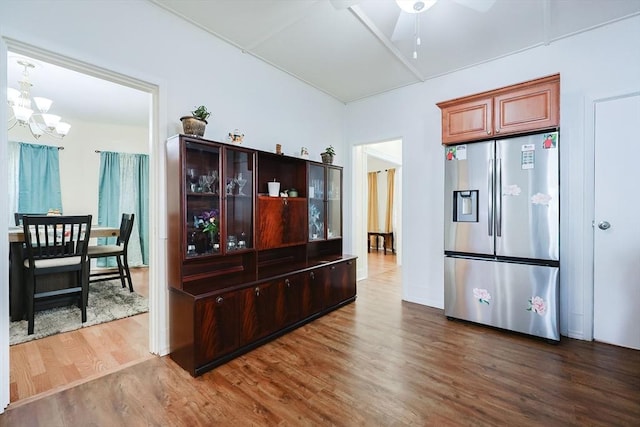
x: 520, y: 108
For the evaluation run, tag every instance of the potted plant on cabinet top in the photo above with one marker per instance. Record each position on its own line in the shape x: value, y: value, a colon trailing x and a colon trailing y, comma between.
x: 327, y: 156
x: 196, y: 122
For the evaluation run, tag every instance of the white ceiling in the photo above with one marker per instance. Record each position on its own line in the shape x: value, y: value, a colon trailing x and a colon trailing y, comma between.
x: 348, y: 52
x: 352, y: 53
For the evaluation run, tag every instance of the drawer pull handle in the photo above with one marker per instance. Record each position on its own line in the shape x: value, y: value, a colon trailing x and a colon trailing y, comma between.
x: 257, y: 291
x: 219, y: 300
x: 313, y: 276
x: 333, y: 267
x: 286, y: 281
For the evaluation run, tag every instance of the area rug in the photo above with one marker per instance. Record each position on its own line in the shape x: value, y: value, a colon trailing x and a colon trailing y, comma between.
x: 107, y: 301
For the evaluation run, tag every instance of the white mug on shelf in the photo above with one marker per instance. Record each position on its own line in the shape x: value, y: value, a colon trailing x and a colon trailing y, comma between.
x: 274, y: 188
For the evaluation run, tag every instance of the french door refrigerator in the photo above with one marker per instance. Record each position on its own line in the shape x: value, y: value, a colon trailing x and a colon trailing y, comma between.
x: 501, y: 242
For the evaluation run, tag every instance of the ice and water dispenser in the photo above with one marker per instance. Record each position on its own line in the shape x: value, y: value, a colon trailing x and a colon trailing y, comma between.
x: 465, y: 206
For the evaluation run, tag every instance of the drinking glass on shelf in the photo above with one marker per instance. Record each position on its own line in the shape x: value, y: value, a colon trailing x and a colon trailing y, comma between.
x: 232, y: 243
x: 203, y: 183
x: 214, y: 181
x: 241, y: 183
x: 208, y: 182
x: 231, y: 184
x: 192, y: 179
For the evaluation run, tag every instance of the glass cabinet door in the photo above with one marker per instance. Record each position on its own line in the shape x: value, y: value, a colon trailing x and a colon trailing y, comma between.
x: 202, y: 195
x: 316, y: 202
x: 238, y: 188
x: 334, y: 203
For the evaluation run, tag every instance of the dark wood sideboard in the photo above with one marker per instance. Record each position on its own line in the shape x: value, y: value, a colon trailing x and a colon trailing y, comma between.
x: 270, y: 264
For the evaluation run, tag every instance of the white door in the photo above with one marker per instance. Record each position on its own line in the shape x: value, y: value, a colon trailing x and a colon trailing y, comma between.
x: 617, y: 222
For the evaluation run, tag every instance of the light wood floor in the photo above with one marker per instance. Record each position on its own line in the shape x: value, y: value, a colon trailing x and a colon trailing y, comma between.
x: 378, y: 361
x: 61, y: 361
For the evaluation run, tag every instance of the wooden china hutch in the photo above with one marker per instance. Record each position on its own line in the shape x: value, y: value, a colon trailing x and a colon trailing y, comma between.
x: 245, y: 267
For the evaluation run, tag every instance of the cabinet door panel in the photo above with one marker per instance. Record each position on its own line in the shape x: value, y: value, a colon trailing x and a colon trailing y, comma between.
x: 312, y: 293
x: 467, y: 121
x: 287, y: 309
x: 282, y: 222
x: 341, y: 283
x: 531, y: 108
x: 216, y: 327
x: 258, y: 313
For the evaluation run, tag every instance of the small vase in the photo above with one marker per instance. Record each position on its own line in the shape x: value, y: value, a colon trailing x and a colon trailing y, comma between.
x: 327, y: 158
x: 193, y: 126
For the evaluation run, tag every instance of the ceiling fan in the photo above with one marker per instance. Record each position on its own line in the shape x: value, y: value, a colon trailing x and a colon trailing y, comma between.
x: 408, y: 23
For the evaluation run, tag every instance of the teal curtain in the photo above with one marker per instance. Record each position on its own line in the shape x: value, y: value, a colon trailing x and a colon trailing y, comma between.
x: 39, y: 182
x: 124, y: 188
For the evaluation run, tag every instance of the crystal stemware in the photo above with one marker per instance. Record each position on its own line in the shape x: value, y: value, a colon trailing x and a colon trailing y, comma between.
x: 192, y: 179
x: 214, y: 181
x: 231, y: 184
x: 241, y: 183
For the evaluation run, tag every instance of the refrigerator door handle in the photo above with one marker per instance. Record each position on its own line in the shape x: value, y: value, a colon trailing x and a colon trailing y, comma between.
x: 499, y: 197
x: 490, y: 198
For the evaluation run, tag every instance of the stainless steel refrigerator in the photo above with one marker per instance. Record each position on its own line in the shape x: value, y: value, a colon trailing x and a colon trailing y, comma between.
x: 501, y: 240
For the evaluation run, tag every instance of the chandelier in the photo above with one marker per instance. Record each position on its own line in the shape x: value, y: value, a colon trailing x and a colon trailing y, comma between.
x: 415, y: 7
x: 21, y: 113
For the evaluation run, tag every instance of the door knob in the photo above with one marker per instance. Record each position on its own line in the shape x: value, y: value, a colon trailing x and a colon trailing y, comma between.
x: 604, y: 225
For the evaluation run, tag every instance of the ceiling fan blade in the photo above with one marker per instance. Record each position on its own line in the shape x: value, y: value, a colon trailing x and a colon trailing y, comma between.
x: 343, y: 4
x: 405, y: 27
x: 477, y: 5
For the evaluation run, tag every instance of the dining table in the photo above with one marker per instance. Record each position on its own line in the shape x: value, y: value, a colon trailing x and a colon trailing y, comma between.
x: 17, y: 296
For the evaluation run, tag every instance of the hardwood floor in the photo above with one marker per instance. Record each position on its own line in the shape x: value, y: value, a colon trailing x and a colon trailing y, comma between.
x: 54, y: 363
x: 378, y: 361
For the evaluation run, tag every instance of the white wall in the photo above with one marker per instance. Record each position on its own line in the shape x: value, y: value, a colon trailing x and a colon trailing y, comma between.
x: 79, y: 159
x: 190, y: 67
x: 604, y: 60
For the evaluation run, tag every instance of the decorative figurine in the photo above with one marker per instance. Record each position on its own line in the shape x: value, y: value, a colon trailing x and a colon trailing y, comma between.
x: 236, y: 137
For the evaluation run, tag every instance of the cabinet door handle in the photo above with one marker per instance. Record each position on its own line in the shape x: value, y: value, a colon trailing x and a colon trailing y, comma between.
x: 257, y: 291
x: 333, y: 267
x: 497, y: 130
x: 488, y: 132
x: 349, y: 262
x: 219, y: 300
x: 286, y: 282
x: 312, y: 274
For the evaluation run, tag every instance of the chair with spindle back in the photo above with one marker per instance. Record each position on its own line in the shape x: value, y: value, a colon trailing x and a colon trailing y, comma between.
x: 55, y: 244
x: 119, y: 251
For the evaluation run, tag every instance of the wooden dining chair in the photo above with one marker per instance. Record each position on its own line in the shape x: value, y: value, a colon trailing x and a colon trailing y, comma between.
x: 55, y: 244
x: 17, y: 216
x: 119, y: 250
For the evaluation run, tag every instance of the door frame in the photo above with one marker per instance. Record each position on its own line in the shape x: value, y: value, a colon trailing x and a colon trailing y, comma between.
x: 589, y: 202
x: 156, y: 87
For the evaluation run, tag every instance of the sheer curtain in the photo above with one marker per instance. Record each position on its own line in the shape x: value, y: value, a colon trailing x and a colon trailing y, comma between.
x: 39, y: 179
x: 373, y: 223
x: 13, y: 155
x: 388, y: 223
x: 124, y: 188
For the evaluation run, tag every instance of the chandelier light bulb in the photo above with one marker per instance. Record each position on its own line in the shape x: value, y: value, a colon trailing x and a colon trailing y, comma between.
x: 12, y: 95
x: 23, y: 114
x: 51, y: 120
x: 40, y: 122
x: 43, y: 104
x: 63, y: 128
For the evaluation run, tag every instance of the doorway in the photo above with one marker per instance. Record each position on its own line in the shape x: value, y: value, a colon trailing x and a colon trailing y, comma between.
x: 151, y: 136
x: 375, y: 157
x: 616, y: 244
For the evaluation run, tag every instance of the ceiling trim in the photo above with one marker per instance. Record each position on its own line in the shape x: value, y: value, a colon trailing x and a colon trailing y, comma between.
x: 362, y: 17
x: 243, y: 49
